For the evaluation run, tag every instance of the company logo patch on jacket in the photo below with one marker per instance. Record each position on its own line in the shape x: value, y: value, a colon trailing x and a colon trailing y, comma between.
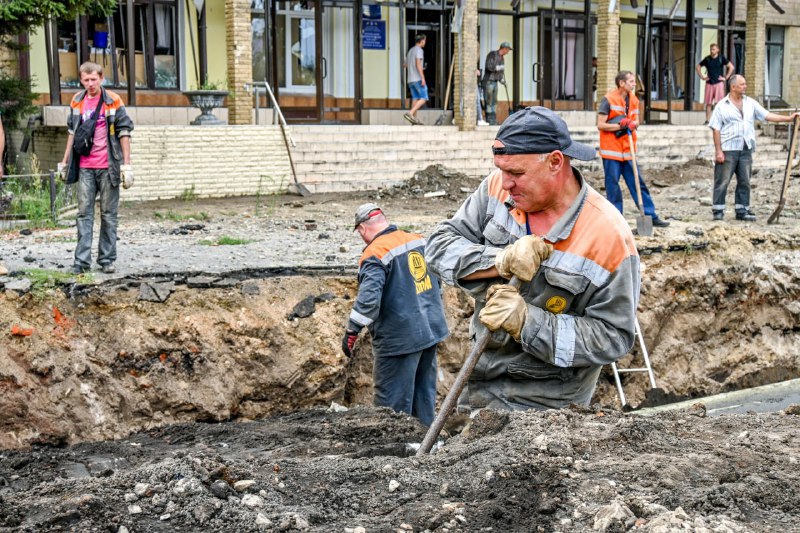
x: 419, y: 271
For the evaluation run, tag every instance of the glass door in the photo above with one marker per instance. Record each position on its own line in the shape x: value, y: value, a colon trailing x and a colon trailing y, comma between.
x: 340, y: 61
x: 297, y: 59
x: 561, y: 69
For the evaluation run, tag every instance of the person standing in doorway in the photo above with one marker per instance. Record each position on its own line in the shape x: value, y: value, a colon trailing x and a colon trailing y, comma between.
x: 400, y: 303
x: 714, y: 63
x: 733, y: 127
x: 100, y: 171
x: 415, y: 65
x: 617, y: 120
x: 494, y: 70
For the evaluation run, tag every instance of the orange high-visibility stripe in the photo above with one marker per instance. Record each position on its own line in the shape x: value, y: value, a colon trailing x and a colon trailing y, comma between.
x: 386, y: 243
x: 592, y: 235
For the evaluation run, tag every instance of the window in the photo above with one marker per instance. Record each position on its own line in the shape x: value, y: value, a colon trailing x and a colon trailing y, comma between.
x: 773, y: 71
x: 296, y: 46
x: 105, y: 41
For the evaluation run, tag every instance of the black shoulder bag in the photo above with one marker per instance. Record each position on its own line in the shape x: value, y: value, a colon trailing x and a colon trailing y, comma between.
x: 84, y: 133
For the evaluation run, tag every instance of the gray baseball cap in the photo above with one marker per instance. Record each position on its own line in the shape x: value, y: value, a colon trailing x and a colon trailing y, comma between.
x: 365, y: 212
x: 538, y: 130
x: 506, y: 44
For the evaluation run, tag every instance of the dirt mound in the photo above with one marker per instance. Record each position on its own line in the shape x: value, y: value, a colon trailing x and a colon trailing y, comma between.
x: 569, y: 470
x: 434, y: 181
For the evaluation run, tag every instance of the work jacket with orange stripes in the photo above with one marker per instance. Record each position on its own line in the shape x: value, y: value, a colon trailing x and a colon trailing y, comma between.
x: 611, y: 146
x: 118, y: 124
x: 581, y: 302
x: 398, y: 301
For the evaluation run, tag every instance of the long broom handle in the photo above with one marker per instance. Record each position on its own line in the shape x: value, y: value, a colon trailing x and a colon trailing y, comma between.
x: 458, y: 385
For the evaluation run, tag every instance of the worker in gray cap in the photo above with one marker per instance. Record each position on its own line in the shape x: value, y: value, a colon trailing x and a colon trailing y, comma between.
x: 535, y: 218
x: 400, y: 303
x: 494, y: 70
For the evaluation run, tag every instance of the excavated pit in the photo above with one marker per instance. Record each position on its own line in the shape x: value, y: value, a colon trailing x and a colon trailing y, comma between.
x: 146, y: 397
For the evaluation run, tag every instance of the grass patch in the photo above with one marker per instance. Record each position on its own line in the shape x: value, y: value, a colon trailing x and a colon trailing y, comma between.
x: 43, y: 280
x: 182, y: 217
x: 188, y: 195
x: 225, y: 240
x: 28, y: 196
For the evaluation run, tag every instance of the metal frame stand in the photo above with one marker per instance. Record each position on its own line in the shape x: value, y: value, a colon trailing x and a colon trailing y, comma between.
x: 646, y: 368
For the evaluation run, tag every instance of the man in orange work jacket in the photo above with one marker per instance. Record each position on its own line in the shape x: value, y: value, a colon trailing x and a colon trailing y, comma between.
x: 618, y: 115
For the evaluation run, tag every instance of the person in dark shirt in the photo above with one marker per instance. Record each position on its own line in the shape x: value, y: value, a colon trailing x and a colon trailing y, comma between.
x: 494, y: 71
x: 399, y: 301
x: 715, y: 64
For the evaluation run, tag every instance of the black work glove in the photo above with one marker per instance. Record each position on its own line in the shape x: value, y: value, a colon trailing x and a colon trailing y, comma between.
x: 621, y: 133
x: 348, y: 341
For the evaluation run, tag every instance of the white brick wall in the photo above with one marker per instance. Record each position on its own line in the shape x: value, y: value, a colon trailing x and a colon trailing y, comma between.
x: 214, y: 160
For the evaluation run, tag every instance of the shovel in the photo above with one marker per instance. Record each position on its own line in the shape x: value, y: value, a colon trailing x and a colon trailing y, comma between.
x: 443, y: 116
x: 644, y: 223
x: 458, y: 385
x: 777, y: 213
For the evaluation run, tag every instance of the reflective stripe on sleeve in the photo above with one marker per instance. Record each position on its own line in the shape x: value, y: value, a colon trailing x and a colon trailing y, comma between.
x: 360, y: 319
x: 565, y: 341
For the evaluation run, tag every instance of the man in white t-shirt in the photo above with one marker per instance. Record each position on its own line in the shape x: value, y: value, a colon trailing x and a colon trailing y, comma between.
x: 415, y: 63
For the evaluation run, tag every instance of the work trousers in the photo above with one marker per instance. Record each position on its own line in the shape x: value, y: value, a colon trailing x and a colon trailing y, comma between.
x: 739, y: 162
x: 94, y: 182
x: 490, y: 99
x: 613, y: 169
x: 407, y: 383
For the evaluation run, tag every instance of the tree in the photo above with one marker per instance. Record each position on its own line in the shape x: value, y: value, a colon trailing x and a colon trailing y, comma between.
x: 20, y: 16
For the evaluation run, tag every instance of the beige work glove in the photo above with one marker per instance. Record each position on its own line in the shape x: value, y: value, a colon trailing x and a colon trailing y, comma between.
x: 61, y: 171
x: 522, y: 258
x: 126, y: 175
x: 504, y: 309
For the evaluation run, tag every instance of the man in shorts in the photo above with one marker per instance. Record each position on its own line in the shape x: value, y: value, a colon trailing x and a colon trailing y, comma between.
x: 415, y: 63
x: 715, y: 64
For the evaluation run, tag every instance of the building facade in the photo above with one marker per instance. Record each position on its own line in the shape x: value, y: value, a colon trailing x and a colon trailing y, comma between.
x: 342, y: 61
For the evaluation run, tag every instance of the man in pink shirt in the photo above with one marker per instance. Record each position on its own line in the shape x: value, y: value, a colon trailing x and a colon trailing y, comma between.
x: 100, y: 171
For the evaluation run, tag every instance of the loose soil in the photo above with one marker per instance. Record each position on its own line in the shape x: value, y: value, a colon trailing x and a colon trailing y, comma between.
x: 196, y: 366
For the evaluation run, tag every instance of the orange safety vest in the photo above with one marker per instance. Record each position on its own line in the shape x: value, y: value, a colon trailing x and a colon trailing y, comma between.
x: 611, y: 146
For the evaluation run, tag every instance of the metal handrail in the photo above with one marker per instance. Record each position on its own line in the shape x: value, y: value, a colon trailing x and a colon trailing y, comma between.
x: 277, y: 114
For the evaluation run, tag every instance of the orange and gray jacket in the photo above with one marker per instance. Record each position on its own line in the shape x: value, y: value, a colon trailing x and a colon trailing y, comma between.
x: 118, y: 124
x: 581, y: 303
x: 398, y: 301
x: 611, y: 146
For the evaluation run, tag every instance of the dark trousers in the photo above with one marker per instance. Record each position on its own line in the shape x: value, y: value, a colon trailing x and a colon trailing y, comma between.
x: 407, y: 383
x: 490, y: 99
x: 613, y: 169
x: 91, y: 184
x: 739, y: 162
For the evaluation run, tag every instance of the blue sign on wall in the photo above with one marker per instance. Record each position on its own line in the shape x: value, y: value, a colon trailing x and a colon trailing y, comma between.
x: 373, y: 34
x: 371, y: 11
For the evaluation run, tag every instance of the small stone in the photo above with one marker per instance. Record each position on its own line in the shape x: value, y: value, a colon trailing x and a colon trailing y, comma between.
x: 406, y: 527
x: 359, y: 529
x: 164, y: 517
x: 243, y: 485
x: 3, y: 270
x: 220, y: 489
x: 793, y: 409
x: 130, y: 497
x: 303, y: 309
x: 20, y: 286
x: 251, y: 500
x: 393, y: 485
x: 489, y: 475
x: 123, y: 529
x: 262, y: 520
x: 134, y: 509
x: 343, y: 249
x: 142, y: 489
